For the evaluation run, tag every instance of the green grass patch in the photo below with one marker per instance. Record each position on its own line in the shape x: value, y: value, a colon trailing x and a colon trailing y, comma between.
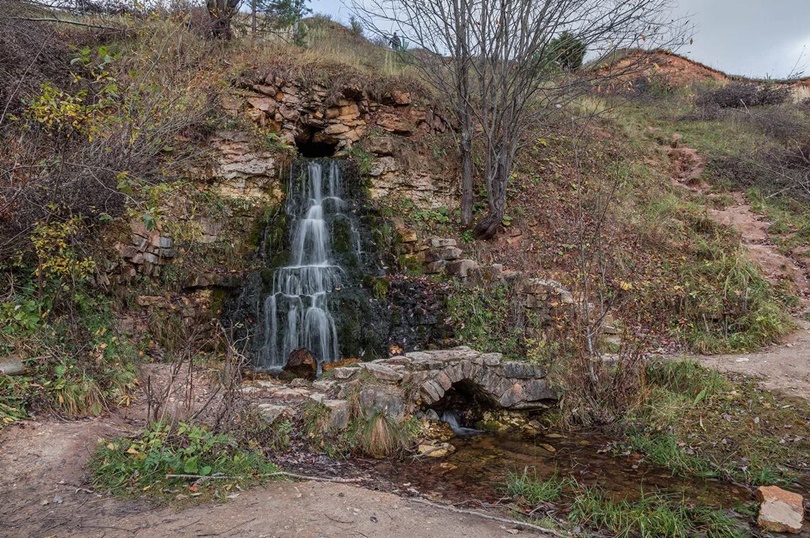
x: 141, y: 465
x: 653, y: 516
x: 697, y: 422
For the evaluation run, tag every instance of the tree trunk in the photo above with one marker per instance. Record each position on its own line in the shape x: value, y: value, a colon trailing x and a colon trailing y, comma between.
x: 499, y: 170
x: 466, y: 176
x: 221, y: 12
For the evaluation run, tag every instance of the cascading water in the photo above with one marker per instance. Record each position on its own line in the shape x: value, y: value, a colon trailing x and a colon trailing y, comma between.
x: 296, y: 313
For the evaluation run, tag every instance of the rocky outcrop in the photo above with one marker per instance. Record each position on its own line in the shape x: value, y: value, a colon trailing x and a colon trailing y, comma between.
x: 323, y: 121
x: 243, y: 170
x: 779, y: 510
x: 146, y: 253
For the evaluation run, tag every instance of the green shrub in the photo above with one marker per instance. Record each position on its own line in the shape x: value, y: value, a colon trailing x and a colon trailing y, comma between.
x: 143, y: 463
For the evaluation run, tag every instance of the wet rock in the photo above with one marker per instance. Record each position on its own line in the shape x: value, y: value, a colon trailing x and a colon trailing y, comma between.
x: 302, y: 363
x: 779, y: 510
x: 435, y: 450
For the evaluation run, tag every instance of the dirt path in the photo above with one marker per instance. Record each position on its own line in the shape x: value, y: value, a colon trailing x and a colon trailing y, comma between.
x: 785, y: 366
x: 46, y: 493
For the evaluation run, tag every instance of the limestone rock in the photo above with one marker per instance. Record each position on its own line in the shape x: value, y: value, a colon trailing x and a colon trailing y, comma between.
x: 443, y: 253
x: 302, y: 363
x: 380, y: 145
x: 438, y: 242
x: 271, y: 412
x: 338, y: 414
x: 386, y: 398
x: 436, y: 267
x: 394, y: 123
x: 344, y: 372
x: 779, y: 510
x: 382, y: 372
x: 460, y: 268
x: 521, y: 370
x: 401, y: 97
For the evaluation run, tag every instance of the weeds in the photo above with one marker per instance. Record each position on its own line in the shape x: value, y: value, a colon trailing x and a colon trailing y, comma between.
x: 532, y: 490
x: 139, y: 465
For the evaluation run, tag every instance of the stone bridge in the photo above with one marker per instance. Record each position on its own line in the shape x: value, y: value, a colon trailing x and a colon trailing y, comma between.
x: 403, y: 385
x: 425, y: 377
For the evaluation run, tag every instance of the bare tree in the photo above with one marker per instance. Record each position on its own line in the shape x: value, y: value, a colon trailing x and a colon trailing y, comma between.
x: 497, y: 62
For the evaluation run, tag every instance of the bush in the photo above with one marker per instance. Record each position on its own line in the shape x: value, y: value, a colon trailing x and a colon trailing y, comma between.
x: 142, y: 463
x: 743, y: 94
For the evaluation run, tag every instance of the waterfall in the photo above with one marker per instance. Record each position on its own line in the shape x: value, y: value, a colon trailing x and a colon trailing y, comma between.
x: 296, y: 313
x: 452, y: 420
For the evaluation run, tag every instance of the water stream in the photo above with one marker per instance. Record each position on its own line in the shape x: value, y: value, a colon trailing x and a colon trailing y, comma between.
x: 296, y: 312
x: 481, y: 465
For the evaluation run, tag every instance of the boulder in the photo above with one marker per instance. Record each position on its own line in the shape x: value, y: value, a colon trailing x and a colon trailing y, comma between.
x: 302, y: 363
x: 779, y: 510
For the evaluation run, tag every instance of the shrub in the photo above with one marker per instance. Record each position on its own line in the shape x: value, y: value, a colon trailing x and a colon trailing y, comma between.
x: 743, y: 94
x: 142, y: 463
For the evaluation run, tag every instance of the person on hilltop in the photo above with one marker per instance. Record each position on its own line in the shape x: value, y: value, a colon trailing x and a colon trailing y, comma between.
x: 395, y: 41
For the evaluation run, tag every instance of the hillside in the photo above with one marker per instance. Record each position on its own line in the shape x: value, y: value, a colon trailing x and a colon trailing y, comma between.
x: 170, y: 205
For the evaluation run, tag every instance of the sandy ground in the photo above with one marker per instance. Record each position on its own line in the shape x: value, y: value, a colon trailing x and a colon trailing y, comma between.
x: 45, y: 492
x: 784, y: 367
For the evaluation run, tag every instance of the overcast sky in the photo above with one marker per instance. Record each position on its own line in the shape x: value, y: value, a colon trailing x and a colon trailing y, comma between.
x: 755, y: 38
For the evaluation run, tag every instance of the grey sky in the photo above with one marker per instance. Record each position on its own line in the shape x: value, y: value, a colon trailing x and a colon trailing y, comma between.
x: 755, y: 38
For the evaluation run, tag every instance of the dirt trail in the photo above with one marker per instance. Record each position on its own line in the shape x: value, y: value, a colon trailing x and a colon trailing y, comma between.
x: 46, y: 493
x: 784, y: 366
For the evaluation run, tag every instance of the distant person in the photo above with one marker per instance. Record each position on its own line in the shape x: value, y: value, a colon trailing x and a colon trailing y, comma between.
x: 395, y: 41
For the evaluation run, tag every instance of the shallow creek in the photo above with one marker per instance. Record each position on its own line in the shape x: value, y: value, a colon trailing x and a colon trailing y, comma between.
x: 481, y: 465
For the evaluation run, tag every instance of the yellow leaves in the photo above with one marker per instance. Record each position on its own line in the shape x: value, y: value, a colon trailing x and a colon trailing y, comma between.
x: 56, y: 258
x: 625, y: 286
